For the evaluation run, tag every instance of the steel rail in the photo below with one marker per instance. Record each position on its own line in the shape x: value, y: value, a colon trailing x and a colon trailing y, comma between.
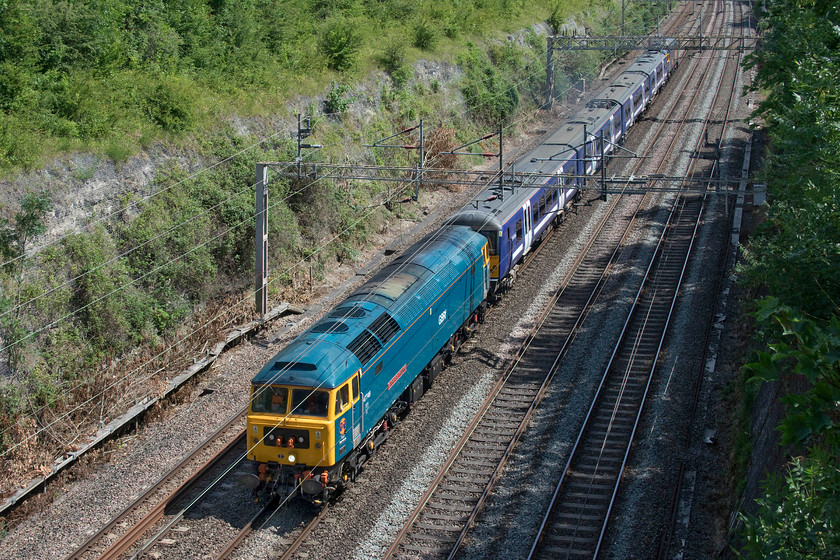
x: 664, y: 543
x: 496, y: 391
x: 123, y: 542
x: 633, y: 350
x: 459, y: 447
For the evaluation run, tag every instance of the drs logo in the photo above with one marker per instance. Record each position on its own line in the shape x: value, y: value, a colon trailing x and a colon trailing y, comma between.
x: 342, y: 426
x: 442, y: 317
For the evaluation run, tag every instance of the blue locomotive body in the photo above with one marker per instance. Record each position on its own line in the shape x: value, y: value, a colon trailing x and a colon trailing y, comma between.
x: 327, y: 400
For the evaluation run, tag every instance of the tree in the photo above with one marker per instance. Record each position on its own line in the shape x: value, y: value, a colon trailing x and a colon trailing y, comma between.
x: 799, y: 517
x: 15, y: 235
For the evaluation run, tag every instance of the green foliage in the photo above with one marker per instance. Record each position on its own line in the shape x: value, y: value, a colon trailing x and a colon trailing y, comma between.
x: 489, y: 89
x: 114, y: 75
x: 795, y: 251
x: 119, y: 74
x: 794, y: 254
x: 557, y: 16
x: 15, y: 236
x: 27, y: 224
x: 806, y: 349
x: 340, y: 43
x: 336, y: 102
x: 393, y: 61
x: 425, y: 36
x: 798, y: 517
x: 169, y: 105
x: 393, y: 56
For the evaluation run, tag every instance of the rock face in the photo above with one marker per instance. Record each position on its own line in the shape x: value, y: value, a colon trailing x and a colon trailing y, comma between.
x: 85, y: 187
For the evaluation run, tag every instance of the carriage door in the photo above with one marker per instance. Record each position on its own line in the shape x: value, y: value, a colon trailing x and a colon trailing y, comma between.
x: 357, y: 410
x: 528, y: 233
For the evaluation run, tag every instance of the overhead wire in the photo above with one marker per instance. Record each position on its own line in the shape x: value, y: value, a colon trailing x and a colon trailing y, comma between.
x: 177, y: 258
x: 130, y: 374
x: 296, y: 264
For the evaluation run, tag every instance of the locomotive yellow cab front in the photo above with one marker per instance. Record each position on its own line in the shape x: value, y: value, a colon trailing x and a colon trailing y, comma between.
x: 283, y: 435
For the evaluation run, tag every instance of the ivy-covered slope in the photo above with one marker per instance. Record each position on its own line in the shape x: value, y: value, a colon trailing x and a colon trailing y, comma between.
x: 795, y: 255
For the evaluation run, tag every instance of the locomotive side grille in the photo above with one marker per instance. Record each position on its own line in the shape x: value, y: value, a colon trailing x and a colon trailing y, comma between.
x: 384, y: 327
x: 411, y: 307
x: 424, y: 294
x: 447, y: 275
x: 365, y: 346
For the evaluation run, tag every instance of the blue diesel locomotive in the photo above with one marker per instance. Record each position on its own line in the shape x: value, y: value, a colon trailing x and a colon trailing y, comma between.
x: 324, y: 403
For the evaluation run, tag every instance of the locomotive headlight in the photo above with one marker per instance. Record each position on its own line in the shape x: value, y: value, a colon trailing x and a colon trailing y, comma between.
x: 291, y: 458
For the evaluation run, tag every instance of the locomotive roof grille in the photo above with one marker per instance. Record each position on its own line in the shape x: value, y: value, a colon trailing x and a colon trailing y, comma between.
x: 365, y: 346
x: 332, y: 327
x: 298, y: 366
x: 348, y: 313
x: 384, y: 327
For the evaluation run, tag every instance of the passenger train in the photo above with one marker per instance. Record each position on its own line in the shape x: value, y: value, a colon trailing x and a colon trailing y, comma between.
x: 323, y: 404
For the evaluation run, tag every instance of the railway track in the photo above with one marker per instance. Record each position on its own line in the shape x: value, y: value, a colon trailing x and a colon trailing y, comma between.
x: 718, y: 125
x: 518, y: 398
x: 580, y: 509
x: 144, y: 512
x: 438, y: 525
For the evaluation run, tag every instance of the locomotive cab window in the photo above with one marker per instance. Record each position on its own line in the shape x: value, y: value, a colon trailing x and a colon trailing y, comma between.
x: 355, y: 386
x: 270, y: 399
x: 306, y: 402
x: 342, y: 398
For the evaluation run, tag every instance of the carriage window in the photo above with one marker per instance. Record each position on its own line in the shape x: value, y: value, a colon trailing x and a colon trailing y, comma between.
x: 518, y: 230
x: 307, y: 402
x: 342, y: 398
x: 270, y: 399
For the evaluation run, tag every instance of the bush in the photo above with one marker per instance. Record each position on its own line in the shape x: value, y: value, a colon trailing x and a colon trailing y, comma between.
x: 170, y: 104
x: 393, y: 62
x: 489, y: 91
x: 340, y: 43
x: 425, y: 36
x: 393, y: 57
x: 336, y: 103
